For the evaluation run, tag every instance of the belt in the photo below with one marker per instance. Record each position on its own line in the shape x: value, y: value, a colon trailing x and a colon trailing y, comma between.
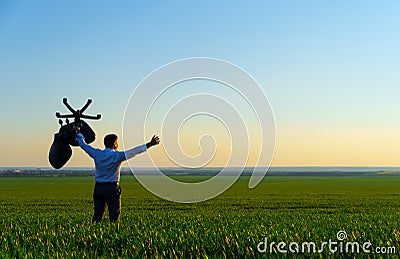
x: 108, y: 183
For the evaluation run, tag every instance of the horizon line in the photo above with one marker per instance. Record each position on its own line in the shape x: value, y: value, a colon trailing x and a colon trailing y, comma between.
x: 183, y: 168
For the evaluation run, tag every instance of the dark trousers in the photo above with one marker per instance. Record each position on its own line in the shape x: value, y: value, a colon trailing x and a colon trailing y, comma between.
x: 110, y: 194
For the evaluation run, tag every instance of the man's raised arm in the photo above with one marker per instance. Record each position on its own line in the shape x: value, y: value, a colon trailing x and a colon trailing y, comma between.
x: 155, y: 140
x: 88, y: 149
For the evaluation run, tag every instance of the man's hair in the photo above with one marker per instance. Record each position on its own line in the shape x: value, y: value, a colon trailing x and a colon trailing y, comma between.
x: 109, y: 140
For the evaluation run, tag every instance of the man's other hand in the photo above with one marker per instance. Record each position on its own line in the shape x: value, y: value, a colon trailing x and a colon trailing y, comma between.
x: 155, y: 140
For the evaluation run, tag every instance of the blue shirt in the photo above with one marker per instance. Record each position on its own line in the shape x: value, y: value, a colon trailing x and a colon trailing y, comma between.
x: 108, y: 161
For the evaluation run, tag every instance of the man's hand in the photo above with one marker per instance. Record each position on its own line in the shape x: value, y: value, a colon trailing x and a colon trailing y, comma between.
x: 77, y: 128
x: 155, y: 140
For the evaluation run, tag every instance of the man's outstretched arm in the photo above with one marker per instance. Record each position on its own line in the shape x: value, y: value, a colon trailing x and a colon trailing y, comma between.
x: 155, y: 140
x: 88, y: 149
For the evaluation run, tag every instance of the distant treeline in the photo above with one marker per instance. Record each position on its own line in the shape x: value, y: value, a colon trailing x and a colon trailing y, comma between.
x: 273, y: 171
x: 44, y: 173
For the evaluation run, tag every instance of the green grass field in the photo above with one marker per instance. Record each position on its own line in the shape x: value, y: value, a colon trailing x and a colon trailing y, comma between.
x: 51, y: 217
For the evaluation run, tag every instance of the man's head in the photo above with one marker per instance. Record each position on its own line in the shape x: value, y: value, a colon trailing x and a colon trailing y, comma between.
x: 111, y: 141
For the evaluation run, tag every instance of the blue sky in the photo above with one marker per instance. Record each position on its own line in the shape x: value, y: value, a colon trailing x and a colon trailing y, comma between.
x: 330, y: 69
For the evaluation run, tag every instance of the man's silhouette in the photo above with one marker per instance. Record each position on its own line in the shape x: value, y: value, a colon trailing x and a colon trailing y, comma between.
x: 107, y: 174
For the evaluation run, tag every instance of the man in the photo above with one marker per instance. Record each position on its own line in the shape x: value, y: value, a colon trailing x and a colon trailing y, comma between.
x: 107, y: 174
